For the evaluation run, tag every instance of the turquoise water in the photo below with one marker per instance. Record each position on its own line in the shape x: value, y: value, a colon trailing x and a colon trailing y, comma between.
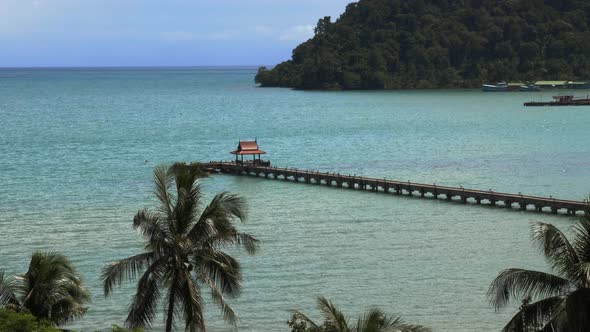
x: 78, y: 146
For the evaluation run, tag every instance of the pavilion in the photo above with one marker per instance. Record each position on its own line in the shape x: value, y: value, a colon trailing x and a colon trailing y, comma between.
x: 248, y: 148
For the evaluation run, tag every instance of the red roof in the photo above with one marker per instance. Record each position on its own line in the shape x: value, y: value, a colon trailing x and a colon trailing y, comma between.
x: 248, y: 147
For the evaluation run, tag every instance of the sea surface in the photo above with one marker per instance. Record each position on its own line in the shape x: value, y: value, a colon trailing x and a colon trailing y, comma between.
x: 78, y: 147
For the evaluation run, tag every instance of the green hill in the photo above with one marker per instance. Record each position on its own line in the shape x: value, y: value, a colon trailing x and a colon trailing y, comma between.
x: 398, y: 44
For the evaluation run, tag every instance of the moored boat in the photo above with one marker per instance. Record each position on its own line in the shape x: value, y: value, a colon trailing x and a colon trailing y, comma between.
x: 498, y: 87
x: 567, y: 100
x: 529, y: 88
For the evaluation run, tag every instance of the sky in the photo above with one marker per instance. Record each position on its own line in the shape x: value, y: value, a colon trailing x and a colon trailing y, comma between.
x: 73, y: 33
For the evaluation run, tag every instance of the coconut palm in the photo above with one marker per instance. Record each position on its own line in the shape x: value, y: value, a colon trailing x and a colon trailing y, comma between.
x: 374, y: 320
x: 183, y: 252
x: 51, y: 289
x: 550, y: 302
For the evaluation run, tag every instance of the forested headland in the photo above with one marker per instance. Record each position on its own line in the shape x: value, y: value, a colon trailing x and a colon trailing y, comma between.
x: 402, y: 44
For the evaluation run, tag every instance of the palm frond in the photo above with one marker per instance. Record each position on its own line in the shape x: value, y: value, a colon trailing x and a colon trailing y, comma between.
x: 7, y: 291
x: 582, y: 278
x: 66, y: 310
x: 556, y: 248
x: 128, y: 268
x: 222, y: 269
x: 520, y: 283
x: 229, y: 315
x: 143, y: 306
x: 371, y: 321
x: 248, y: 242
x: 155, y: 231
x: 393, y: 323
x: 582, y: 241
x: 298, y: 315
x: 233, y: 205
x: 411, y: 328
x: 187, y: 199
x: 215, y: 227
x: 376, y: 320
x: 226, y: 206
x: 242, y: 240
x: 535, y: 316
x: 163, y: 179
x: 332, y: 314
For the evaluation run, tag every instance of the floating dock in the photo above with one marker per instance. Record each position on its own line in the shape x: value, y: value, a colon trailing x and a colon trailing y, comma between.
x: 458, y: 194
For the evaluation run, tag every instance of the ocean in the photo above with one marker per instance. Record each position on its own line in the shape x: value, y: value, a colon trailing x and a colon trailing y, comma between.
x: 78, y: 147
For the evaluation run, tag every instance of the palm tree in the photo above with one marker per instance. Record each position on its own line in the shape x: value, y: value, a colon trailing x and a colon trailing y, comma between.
x: 374, y: 320
x: 51, y: 289
x: 183, y: 252
x: 550, y: 302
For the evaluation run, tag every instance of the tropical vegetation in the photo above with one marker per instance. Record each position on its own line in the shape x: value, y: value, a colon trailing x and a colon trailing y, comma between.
x: 12, y: 321
x: 50, y: 290
x: 550, y: 302
x: 394, y: 44
x: 374, y: 320
x: 183, y: 252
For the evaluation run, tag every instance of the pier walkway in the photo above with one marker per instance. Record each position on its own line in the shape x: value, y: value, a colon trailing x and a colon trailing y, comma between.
x: 460, y: 194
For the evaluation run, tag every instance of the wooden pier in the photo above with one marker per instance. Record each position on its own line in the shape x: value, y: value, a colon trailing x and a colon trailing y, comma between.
x: 460, y: 194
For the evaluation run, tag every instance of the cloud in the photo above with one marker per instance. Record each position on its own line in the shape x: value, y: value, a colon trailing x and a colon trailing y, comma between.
x: 297, y: 33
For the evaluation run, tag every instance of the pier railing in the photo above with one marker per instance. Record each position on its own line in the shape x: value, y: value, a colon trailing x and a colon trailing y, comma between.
x: 465, y: 195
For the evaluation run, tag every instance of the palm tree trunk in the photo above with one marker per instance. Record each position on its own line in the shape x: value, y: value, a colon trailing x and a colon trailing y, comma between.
x: 170, y: 311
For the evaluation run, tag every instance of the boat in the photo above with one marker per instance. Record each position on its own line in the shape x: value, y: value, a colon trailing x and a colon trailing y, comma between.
x: 578, y: 85
x: 503, y: 87
x: 567, y: 100
x: 529, y: 88
x: 498, y: 87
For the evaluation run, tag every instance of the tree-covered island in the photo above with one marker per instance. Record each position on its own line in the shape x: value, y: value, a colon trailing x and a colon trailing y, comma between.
x: 402, y: 44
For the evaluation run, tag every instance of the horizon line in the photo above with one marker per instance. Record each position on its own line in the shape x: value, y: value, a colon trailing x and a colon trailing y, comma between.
x: 134, y: 66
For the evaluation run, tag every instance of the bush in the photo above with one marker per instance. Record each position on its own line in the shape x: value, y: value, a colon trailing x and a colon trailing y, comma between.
x: 11, y: 321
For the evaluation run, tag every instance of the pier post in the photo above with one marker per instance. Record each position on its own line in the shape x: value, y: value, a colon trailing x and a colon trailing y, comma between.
x: 478, y: 200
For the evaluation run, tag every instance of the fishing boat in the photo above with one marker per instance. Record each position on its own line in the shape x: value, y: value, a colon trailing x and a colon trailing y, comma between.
x: 567, y: 100
x: 498, y: 87
x: 529, y: 88
x: 503, y: 87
